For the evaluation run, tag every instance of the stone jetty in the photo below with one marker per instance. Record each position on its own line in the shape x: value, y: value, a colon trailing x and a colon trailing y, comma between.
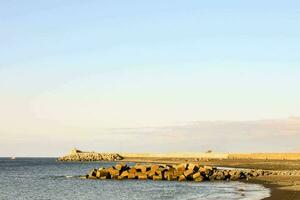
x: 181, y: 172
x: 77, y: 155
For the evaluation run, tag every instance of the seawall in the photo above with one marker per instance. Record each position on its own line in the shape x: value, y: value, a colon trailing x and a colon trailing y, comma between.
x: 77, y: 155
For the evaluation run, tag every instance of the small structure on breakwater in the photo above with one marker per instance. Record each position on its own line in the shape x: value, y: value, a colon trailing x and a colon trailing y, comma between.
x: 77, y: 155
x: 181, y: 172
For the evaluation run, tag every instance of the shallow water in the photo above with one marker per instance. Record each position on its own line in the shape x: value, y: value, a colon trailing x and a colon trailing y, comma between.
x: 44, y: 178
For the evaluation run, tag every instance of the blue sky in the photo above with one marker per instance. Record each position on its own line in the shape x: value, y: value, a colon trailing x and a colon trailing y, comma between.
x: 78, y: 67
x: 102, y: 34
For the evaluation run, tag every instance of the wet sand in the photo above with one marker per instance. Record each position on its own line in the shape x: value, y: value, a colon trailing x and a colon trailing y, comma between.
x: 282, y: 187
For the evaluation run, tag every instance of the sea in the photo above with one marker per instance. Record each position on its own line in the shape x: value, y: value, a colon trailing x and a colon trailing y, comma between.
x: 47, y: 179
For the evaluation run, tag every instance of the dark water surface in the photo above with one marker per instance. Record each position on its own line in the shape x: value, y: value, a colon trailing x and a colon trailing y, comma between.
x: 44, y: 178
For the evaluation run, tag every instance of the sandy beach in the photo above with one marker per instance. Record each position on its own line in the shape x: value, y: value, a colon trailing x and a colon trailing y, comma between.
x: 282, y: 187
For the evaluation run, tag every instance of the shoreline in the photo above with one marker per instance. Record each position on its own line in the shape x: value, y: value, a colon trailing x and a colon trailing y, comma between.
x: 281, y: 188
x: 284, y: 184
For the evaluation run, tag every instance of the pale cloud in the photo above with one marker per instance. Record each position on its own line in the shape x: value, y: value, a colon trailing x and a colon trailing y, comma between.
x: 56, y: 138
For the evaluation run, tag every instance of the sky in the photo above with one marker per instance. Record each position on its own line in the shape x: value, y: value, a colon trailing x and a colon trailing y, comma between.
x: 138, y: 76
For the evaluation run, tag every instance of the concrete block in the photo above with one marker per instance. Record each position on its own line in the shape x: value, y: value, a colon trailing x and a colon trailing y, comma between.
x: 196, y: 175
x: 157, y: 178
x: 131, y: 176
x: 124, y: 174
x: 188, y: 172
x: 142, y: 177
x: 199, y: 179
x: 120, y: 166
x: 181, y: 178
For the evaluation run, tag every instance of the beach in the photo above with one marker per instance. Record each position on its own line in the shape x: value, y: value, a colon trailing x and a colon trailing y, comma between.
x: 282, y: 170
x: 282, y: 187
x: 282, y: 177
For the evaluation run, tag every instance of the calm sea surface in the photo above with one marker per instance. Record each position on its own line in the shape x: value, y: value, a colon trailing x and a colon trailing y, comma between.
x: 44, y: 178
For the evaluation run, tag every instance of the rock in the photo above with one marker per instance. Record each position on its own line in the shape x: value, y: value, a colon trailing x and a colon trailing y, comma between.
x: 131, y: 176
x: 208, y: 168
x: 193, y: 167
x: 132, y: 170
x: 171, y: 177
x: 151, y: 173
x: 121, y: 177
x: 182, y: 167
x: 181, y: 178
x: 142, y: 168
x: 182, y: 172
x: 139, y: 173
x: 199, y: 179
x: 220, y: 175
x: 160, y: 171
x: 196, y: 175
x: 255, y: 174
x: 124, y: 174
x: 157, y: 178
x: 93, y: 173
x: 178, y: 173
x: 202, y: 169
x: 114, y: 176
x: 212, y: 177
x: 102, y: 173
x: 143, y: 177
x: 154, y: 167
x: 188, y: 173
x: 120, y: 167
x: 170, y: 167
x: 114, y: 172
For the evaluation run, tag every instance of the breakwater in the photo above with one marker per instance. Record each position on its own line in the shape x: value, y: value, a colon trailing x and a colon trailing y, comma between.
x: 77, y: 155
x: 181, y: 172
x: 216, y: 155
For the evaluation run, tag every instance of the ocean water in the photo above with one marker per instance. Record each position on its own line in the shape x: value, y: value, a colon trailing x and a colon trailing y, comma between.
x: 45, y: 179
